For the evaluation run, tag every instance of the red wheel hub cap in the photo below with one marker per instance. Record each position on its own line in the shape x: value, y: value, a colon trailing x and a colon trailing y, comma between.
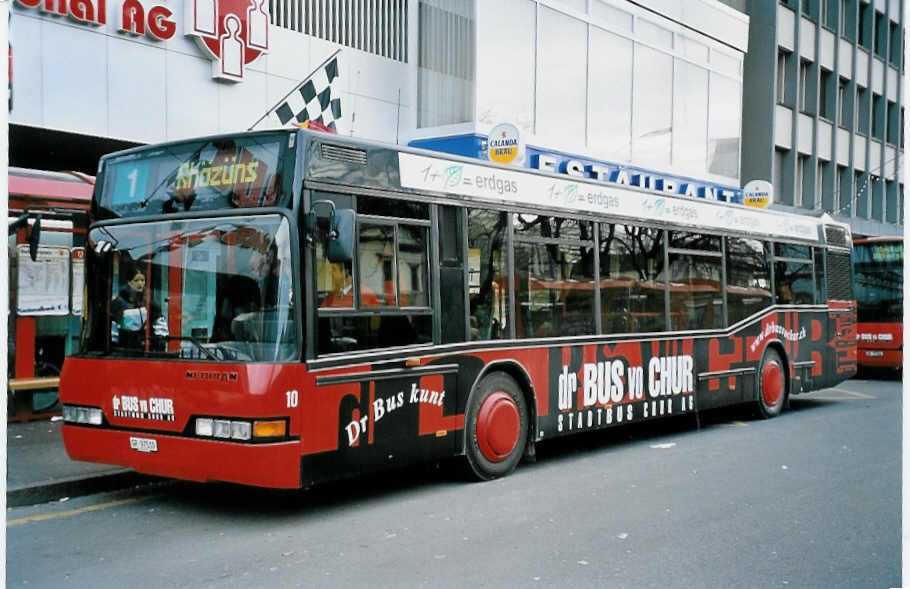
x: 498, y: 426
x: 772, y: 383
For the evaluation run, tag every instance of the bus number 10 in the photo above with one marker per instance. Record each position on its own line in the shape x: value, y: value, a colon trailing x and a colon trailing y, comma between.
x: 292, y: 398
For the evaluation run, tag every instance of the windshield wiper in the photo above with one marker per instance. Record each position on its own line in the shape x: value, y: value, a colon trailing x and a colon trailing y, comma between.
x: 208, y: 353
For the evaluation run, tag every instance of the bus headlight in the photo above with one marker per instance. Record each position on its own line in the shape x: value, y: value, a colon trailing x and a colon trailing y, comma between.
x: 240, y: 430
x: 203, y: 426
x: 222, y: 428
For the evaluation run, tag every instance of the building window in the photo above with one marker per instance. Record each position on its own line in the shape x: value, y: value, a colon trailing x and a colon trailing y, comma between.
x: 902, y: 127
x: 690, y: 118
x: 881, y: 35
x: 876, y: 185
x: 878, y: 116
x: 865, y: 25
x: 561, y: 78
x: 610, y: 103
x: 859, y: 191
x: 820, y: 176
x: 782, y: 185
x: 803, y: 185
x: 846, y: 18
x: 652, y: 106
x: 895, y: 44
x: 379, y: 31
x: 782, y: 59
x: 724, y: 126
x: 861, y: 108
x: 804, y: 88
x: 842, y: 191
x: 825, y: 95
x: 900, y: 201
x: 445, y: 74
x: 843, y: 106
x: 514, y: 100
x: 829, y: 14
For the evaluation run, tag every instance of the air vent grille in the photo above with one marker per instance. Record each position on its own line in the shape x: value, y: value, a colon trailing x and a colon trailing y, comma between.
x: 840, y: 286
x: 836, y: 236
x: 342, y: 153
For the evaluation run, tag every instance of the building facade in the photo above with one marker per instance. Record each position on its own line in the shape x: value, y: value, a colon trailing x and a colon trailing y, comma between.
x: 824, y: 97
x: 647, y: 93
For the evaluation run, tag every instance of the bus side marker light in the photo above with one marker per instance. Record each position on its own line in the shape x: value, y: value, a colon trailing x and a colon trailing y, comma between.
x: 269, y: 429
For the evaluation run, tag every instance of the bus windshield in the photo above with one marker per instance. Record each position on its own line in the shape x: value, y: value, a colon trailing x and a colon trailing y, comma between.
x: 232, y: 172
x: 205, y: 289
x: 879, y: 277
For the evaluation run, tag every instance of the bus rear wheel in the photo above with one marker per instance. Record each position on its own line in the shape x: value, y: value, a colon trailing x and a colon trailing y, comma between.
x: 772, y: 384
x: 496, y: 426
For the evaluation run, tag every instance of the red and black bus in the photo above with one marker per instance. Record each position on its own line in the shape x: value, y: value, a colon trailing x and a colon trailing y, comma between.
x: 878, y: 270
x: 287, y: 307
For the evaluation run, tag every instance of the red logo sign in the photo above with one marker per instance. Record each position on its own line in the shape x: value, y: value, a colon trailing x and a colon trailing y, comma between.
x: 232, y: 32
x: 155, y: 23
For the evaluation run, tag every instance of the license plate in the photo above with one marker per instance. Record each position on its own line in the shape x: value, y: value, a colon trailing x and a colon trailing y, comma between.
x: 143, y: 444
x: 874, y: 354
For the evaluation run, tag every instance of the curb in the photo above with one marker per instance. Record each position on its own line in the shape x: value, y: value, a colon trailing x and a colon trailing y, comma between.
x: 54, y: 489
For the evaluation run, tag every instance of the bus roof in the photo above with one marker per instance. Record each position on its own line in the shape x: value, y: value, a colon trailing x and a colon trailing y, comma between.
x: 364, y: 164
x: 346, y: 161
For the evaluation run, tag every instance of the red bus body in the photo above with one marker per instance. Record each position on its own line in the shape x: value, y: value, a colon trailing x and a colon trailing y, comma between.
x: 327, y: 445
x: 346, y: 413
x: 878, y: 263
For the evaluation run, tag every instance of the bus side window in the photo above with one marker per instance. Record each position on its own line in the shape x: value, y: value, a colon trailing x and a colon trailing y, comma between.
x: 381, y: 299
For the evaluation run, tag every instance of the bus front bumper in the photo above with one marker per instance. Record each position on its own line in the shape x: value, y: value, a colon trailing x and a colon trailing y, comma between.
x: 275, y: 465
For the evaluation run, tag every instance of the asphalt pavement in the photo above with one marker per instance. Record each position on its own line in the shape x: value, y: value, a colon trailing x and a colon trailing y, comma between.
x: 38, y: 468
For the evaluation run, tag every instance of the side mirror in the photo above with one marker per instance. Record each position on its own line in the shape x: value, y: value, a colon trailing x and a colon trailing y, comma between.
x: 34, y: 237
x: 340, y: 247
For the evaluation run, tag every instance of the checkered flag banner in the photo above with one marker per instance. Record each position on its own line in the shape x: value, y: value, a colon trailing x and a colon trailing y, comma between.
x: 311, y: 100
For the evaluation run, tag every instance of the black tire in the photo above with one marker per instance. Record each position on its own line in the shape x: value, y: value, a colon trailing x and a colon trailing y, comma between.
x: 772, y: 384
x: 496, y: 426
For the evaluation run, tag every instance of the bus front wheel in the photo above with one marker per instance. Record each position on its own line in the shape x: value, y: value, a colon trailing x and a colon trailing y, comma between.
x: 772, y: 384
x: 496, y: 426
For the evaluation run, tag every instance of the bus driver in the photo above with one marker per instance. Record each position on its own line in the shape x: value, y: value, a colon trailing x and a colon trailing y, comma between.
x: 129, y: 314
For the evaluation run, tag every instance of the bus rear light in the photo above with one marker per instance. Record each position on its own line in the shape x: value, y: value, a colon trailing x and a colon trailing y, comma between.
x: 269, y: 429
x: 89, y: 415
